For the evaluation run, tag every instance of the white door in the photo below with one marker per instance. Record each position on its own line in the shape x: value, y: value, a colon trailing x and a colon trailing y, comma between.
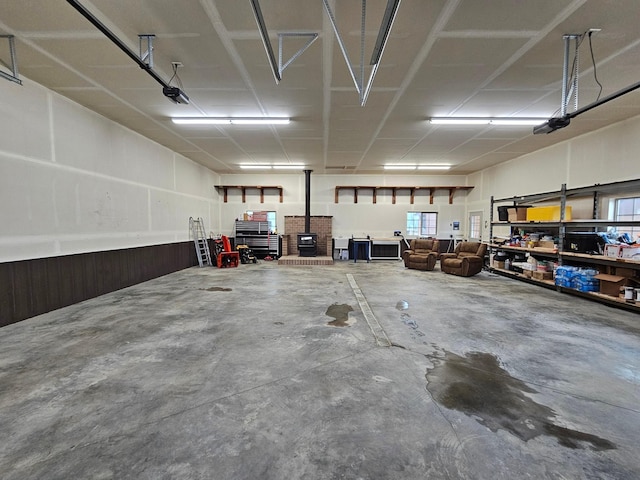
x: 475, y: 226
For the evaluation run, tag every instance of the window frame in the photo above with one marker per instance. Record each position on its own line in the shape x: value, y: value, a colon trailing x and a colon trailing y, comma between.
x: 633, y: 231
x: 422, y: 224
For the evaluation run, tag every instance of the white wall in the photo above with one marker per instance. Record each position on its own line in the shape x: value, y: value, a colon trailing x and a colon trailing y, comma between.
x: 72, y: 181
x: 607, y: 155
x: 363, y: 218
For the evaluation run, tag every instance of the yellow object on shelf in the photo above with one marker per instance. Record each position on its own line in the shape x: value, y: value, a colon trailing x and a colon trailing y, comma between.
x: 547, y: 214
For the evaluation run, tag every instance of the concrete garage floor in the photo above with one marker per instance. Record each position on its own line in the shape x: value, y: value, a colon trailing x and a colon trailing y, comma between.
x: 274, y: 372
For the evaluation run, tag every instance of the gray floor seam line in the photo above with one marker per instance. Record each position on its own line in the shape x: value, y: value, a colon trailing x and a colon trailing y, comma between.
x: 372, y: 321
x: 272, y: 382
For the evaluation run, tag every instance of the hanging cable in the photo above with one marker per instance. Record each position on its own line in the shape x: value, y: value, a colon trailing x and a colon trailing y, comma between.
x: 593, y: 61
x: 175, y: 66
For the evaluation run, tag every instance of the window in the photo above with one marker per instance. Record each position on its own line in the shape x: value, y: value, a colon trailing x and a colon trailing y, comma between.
x: 628, y: 209
x: 475, y: 221
x: 421, y: 224
x: 271, y: 218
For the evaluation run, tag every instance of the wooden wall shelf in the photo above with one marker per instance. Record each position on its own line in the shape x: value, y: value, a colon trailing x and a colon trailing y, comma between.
x: 244, y: 188
x: 394, y: 189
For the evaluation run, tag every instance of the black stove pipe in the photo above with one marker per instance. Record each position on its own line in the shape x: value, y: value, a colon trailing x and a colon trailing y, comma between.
x: 307, y: 201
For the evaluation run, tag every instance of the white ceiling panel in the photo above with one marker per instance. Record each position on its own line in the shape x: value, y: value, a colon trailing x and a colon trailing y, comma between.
x: 443, y: 57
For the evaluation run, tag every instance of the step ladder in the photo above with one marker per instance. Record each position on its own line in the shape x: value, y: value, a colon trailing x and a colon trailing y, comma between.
x: 200, y: 240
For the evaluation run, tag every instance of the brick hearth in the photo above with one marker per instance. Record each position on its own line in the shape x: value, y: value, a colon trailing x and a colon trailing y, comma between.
x: 294, y: 224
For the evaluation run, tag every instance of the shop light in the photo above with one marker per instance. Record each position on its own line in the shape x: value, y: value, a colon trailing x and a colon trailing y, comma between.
x: 230, y: 120
x: 440, y: 166
x: 497, y: 121
x: 269, y: 167
x: 434, y: 167
x: 400, y: 167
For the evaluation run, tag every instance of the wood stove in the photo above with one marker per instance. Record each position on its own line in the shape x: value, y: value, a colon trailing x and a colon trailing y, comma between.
x: 308, y: 244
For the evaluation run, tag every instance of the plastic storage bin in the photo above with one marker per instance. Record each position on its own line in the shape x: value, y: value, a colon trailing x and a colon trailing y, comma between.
x: 547, y: 214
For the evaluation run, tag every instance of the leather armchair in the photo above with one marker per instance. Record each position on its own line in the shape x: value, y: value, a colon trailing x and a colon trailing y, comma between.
x: 422, y: 254
x: 466, y: 260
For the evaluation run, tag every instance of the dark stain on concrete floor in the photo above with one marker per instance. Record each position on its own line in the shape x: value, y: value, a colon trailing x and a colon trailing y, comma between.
x: 217, y: 289
x: 477, y: 386
x: 340, y: 313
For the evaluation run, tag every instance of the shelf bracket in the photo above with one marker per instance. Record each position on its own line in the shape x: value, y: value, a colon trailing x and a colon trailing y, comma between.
x: 451, y: 191
x: 244, y: 188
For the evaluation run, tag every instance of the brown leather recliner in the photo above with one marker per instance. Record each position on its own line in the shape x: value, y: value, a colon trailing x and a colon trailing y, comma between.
x: 466, y: 260
x: 422, y: 254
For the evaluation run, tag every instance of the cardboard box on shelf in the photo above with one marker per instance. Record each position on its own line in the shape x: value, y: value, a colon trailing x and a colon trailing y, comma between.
x: 542, y: 275
x: 517, y: 214
x: 546, y: 244
x: 611, y: 284
x: 257, y: 216
x: 611, y: 250
x: 547, y: 214
x: 498, y: 264
x: 524, y: 266
x: 627, y: 251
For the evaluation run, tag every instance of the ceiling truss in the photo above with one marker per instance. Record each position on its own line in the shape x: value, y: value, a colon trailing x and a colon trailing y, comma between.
x: 277, y: 66
x: 13, y: 76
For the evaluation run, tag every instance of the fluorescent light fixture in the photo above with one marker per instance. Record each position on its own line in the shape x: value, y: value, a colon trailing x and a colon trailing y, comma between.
x: 530, y: 122
x: 260, y: 121
x: 269, y: 167
x: 434, y: 167
x: 288, y: 167
x: 458, y: 121
x: 200, y: 121
x: 501, y: 122
x: 399, y: 167
x: 230, y: 120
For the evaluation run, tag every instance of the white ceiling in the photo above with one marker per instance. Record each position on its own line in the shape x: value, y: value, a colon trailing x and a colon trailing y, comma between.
x: 444, y: 58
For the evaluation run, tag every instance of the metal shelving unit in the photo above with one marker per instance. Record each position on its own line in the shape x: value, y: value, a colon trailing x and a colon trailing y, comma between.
x: 562, y: 226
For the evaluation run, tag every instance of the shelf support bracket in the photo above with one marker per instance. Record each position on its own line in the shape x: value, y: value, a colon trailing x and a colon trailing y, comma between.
x: 451, y: 191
